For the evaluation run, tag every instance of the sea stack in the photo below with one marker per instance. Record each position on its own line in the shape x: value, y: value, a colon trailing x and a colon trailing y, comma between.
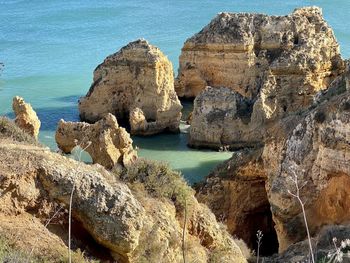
x: 138, y: 78
x: 275, y: 64
x: 252, y: 52
x: 26, y: 117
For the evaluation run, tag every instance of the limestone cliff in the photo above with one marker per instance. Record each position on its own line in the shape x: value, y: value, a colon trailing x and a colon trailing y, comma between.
x: 317, y: 151
x: 282, y: 57
x: 26, y: 117
x: 107, y: 143
x: 273, y: 65
x: 139, y: 76
x: 313, y: 145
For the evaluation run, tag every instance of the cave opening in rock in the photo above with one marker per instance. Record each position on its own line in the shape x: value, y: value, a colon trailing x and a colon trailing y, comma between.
x: 85, y: 242
x: 256, y: 215
x: 262, y: 220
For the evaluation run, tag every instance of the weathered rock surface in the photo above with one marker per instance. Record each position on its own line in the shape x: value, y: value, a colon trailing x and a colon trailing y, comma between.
x: 222, y: 117
x: 323, y: 245
x: 316, y: 150
x: 106, y: 142
x: 312, y: 144
x: 139, y: 78
x: 26, y: 117
x: 235, y: 192
x: 282, y: 57
x: 264, y: 67
x: 132, y: 225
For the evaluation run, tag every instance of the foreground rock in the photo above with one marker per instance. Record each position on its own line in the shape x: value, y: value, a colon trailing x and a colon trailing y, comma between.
x: 264, y: 67
x: 315, y: 147
x: 136, y: 82
x: 106, y: 142
x: 129, y: 225
x: 312, y: 145
x: 330, y: 243
x: 26, y: 117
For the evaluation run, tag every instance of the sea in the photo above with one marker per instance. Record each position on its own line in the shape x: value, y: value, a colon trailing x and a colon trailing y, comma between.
x: 50, y: 48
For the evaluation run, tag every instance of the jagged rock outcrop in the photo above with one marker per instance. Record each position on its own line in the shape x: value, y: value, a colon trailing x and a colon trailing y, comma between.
x: 26, y: 117
x: 138, y: 78
x: 316, y: 148
x: 132, y: 225
x: 274, y: 65
x: 235, y: 192
x: 312, y: 144
x: 223, y: 117
x: 289, y: 56
x: 330, y: 243
x: 106, y: 142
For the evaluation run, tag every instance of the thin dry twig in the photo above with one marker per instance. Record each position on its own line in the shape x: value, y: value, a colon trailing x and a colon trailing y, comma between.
x: 296, y: 195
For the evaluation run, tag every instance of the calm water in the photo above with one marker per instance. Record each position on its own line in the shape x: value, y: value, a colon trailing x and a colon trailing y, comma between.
x: 50, y: 49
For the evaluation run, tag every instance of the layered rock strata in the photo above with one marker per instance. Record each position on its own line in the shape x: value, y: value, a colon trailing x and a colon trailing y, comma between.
x: 222, y: 117
x: 293, y: 55
x: 26, y: 117
x: 313, y: 146
x: 275, y: 64
x: 107, y: 143
x: 137, y: 79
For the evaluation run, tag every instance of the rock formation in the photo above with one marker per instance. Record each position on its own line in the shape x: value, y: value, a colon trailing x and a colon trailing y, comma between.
x: 132, y: 225
x: 282, y: 57
x: 106, y: 142
x: 137, y: 79
x: 313, y: 145
x: 222, y: 117
x: 26, y: 117
x: 235, y: 192
x: 317, y: 151
x: 275, y: 65
x: 323, y: 244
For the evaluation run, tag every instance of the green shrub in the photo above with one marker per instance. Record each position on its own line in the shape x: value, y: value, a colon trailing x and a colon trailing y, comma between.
x: 8, y: 129
x: 158, y: 179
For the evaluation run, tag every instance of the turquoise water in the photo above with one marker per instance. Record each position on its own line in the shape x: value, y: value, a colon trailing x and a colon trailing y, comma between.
x: 50, y: 49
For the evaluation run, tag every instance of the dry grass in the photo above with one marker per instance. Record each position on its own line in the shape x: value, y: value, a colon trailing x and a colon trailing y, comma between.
x: 10, y: 254
x: 8, y: 129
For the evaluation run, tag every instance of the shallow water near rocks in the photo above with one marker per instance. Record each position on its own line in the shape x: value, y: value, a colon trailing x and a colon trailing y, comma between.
x: 50, y: 49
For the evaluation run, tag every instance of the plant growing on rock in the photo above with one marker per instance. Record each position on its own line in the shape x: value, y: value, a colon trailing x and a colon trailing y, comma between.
x: 8, y: 129
x: 158, y: 180
x: 294, y: 179
x: 340, y: 251
x: 259, y: 236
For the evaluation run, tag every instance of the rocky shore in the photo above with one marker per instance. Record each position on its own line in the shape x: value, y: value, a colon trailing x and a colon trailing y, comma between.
x: 273, y: 88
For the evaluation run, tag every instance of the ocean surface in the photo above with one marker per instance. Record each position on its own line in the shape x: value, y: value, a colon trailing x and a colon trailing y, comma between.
x: 50, y: 49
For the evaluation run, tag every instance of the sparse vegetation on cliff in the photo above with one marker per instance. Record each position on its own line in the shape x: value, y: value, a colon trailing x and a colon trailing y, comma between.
x: 8, y: 129
x: 158, y: 179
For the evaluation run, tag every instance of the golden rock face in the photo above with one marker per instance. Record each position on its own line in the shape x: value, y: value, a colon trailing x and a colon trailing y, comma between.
x: 138, y: 76
x: 268, y: 67
x: 251, y: 52
x: 107, y: 143
x: 26, y: 117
